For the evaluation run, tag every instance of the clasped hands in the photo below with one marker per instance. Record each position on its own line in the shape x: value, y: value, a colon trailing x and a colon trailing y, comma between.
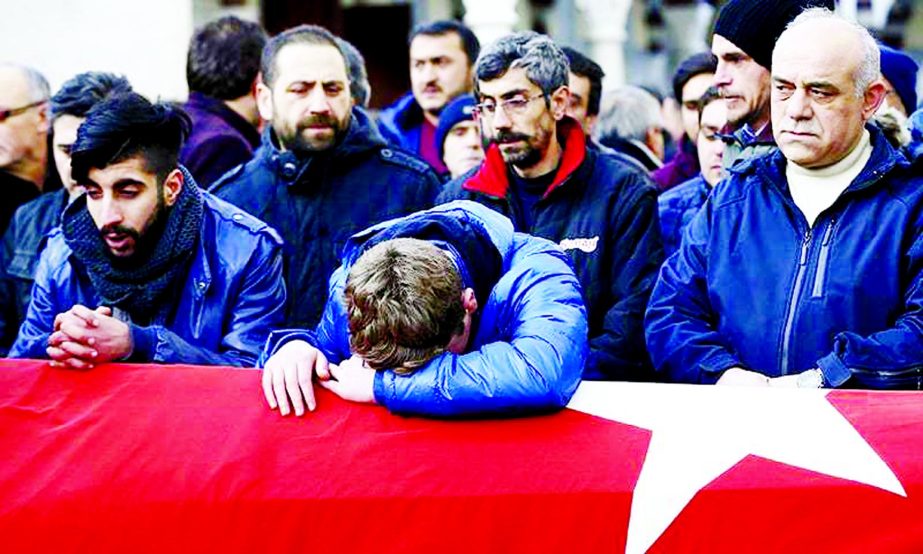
x: 84, y: 338
x: 289, y: 374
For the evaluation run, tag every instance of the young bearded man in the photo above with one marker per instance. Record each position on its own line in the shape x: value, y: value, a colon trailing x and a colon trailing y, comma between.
x: 145, y: 266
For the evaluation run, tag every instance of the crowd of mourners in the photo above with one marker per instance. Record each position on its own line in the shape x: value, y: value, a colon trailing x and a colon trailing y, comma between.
x: 504, y: 230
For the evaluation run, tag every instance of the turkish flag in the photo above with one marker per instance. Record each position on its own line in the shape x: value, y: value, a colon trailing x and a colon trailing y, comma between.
x: 141, y: 458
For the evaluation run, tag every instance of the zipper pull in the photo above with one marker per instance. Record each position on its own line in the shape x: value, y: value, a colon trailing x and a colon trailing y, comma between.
x: 828, y: 232
x: 804, y: 248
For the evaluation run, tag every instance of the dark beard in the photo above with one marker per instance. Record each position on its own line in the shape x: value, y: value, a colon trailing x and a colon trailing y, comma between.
x: 298, y: 144
x: 523, y: 158
x: 144, y: 243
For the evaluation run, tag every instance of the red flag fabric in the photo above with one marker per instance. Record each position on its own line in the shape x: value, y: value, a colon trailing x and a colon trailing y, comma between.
x: 145, y: 458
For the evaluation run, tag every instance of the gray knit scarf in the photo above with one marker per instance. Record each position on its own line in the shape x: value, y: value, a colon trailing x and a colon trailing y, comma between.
x: 137, y: 289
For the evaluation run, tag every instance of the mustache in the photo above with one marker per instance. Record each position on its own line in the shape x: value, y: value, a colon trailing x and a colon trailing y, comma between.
x: 119, y: 230
x: 317, y: 120
x: 509, y: 136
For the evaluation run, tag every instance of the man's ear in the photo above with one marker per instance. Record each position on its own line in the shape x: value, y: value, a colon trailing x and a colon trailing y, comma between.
x: 172, y: 186
x: 469, y: 301
x: 264, y: 100
x: 872, y: 99
x: 559, y: 101
x: 44, y: 118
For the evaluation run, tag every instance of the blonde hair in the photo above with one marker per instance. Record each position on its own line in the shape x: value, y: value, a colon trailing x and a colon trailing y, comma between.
x: 403, y: 302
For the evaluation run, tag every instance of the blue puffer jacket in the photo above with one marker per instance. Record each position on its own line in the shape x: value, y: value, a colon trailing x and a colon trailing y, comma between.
x: 224, y: 307
x: 677, y: 207
x: 603, y: 213
x: 530, y: 341
x: 753, y: 286
x: 400, y: 123
x: 317, y: 202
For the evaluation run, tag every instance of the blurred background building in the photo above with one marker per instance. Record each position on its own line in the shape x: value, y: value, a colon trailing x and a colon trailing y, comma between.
x: 636, y: 41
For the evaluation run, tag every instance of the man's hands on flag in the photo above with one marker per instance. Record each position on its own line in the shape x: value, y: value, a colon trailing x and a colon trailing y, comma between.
x: 288, y: 376
x: 353, y: 380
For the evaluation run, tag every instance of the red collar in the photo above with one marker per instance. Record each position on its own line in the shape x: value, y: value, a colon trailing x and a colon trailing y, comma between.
x: 492, y: 179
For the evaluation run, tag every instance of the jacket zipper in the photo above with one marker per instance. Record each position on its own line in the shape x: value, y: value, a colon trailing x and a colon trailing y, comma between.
x: 820, y: 274
x: 793, y: 301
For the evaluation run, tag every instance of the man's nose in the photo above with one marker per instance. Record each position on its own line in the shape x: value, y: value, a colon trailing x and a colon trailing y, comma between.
x: 722, y: 77
x: 799, y: 105
x: 428, y: 73
x: 110, y: 213
x: 501, y: 118
x: 318, y: 101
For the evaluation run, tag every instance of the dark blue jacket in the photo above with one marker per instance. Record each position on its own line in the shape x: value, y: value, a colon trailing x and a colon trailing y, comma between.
x: 603, y: 213
x: 753, y: 286
x: 677, y: 206
x: 400, y: 123
x: 317, y: 202
x: 530, y: 341
x: 22, y: 244
x: 220, y: 139
x: 230, y: 298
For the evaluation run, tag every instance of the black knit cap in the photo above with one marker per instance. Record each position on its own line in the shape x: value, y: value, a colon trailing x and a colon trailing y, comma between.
x: 754, y: 26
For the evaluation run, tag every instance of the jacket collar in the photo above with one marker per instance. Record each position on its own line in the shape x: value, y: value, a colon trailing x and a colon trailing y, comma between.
x: 492, y: 179
x: 361, y: 137
x: 214, y: 106
x: 883, y: 160
x: 407, y: 113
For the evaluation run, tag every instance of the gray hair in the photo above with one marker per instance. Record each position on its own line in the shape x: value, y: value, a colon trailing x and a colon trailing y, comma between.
x: 35, y: 81
x: 359, y: 87
x: 543, y: 60
x: 628, y: 112
x: 869, y: 69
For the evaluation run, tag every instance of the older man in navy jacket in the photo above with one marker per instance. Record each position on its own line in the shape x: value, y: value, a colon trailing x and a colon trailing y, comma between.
x: 804, y: 267
x: 458, y: 314
x: 146, y: 266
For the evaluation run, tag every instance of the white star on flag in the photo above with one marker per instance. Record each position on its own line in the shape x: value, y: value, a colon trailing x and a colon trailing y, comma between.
x: 699, y: 432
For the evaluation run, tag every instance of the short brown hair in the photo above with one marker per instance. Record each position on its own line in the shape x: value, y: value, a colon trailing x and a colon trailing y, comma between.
x: 403, y: 300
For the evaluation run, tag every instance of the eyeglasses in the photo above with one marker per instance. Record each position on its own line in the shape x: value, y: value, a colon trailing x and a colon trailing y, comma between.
x: 6, y: 114
x: 510, y: 106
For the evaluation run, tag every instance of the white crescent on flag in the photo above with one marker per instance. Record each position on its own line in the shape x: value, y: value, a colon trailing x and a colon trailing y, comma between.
x: 700, y: 432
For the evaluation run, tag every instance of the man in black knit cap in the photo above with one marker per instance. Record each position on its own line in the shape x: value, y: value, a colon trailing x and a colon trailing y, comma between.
x: 745, y: 33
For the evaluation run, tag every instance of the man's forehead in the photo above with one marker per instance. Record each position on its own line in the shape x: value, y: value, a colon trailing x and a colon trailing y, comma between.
x: 310, y: 62
x: 464, y: 124
x: 515, y: 79
x: 721, y: 46
x: 578, y: 82
x: 822, y: 47
x: 431, y: 46
x: 133, y: 168
x: 815, y: 65
x: 14, y: 87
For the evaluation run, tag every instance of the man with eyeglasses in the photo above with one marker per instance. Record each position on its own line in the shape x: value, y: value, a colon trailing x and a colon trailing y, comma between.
x: 540, y: 173
x: 24, y: 127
